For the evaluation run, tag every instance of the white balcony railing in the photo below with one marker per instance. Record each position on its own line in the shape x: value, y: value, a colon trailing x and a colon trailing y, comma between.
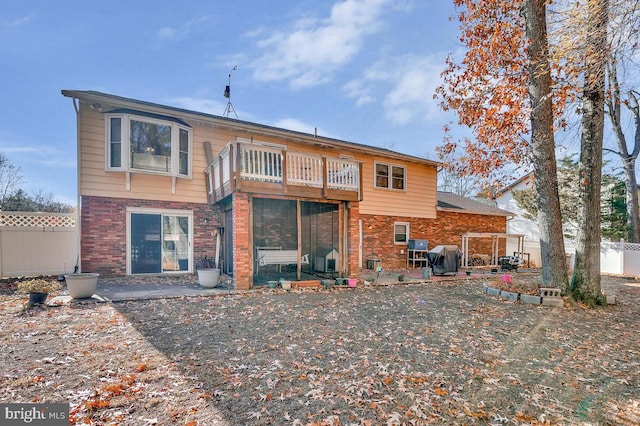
x: 265, y: 164
x: 304, y: 169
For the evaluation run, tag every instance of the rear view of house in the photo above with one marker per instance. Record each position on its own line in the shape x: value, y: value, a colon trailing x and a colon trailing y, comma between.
x: 161, y: 187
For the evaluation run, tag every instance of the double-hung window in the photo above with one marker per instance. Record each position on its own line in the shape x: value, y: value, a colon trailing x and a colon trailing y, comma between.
x: 389, y: 176
x: 401, y: 233
x: 149, y: 143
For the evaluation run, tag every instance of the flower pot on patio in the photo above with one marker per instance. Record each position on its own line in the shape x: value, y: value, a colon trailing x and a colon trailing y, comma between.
x: 286, y: 285
x: 208, y: 274
x: 208, y: 278
x: 81, y: 285
x: 273, y: 284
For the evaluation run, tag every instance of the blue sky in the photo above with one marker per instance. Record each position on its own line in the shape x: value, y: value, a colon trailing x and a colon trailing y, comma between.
x: 359, y: 70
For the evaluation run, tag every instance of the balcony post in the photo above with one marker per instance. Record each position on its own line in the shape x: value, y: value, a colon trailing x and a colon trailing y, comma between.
x: 284, y: 171
x: 325, y: 176
x: 220, y: 175
x: 238, y: 172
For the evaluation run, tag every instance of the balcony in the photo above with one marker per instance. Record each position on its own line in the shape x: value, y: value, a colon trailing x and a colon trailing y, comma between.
x: 267, y: 170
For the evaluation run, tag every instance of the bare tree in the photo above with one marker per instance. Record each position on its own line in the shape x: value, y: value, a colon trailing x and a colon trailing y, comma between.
x: 628, y: 157
x: 464, y: 185
x: 10, y: 178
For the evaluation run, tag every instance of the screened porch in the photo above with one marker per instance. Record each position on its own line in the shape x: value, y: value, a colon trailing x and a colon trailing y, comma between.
x: 294, y: 232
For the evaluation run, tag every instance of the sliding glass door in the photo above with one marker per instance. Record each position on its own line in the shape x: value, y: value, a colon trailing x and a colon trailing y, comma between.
x: 159, y: 242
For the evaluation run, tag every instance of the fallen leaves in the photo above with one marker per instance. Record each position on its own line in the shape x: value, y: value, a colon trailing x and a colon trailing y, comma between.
x: 372, y: 356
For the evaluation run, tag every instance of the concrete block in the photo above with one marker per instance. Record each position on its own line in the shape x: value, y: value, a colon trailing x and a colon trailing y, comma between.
x: 550, y: 292
x: 493, y: 291
x: 553, y: 301
x: 533, y: 300
x: 509, y: 295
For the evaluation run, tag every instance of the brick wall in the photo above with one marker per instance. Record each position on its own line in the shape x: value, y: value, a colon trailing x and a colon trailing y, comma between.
x: 447, y: 228
x: 104, y: 240
x: 241, y: 266
x: 353, y: 255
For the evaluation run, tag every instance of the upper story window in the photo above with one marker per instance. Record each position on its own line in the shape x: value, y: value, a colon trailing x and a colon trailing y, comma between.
x: 389, y: 176
x: 152, y: 143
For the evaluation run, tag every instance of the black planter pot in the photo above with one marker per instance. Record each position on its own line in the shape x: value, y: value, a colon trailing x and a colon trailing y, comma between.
x: 37, y: 298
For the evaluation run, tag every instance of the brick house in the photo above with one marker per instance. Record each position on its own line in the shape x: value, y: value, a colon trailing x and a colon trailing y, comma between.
x: 161, y: 187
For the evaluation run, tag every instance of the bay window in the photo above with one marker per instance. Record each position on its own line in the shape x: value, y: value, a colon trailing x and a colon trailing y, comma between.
x: 149, y: 143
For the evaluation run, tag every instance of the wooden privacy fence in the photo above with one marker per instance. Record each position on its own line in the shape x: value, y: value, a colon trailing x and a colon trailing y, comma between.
x: 34, y: 244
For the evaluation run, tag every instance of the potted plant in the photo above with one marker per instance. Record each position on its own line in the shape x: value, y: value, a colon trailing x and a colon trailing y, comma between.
x: 38, y: 289
x: 208, y: 274
x: 81, y: 285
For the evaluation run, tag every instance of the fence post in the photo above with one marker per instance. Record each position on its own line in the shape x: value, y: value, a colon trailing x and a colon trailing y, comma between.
x: 1, y: 227
x: 622, y: 255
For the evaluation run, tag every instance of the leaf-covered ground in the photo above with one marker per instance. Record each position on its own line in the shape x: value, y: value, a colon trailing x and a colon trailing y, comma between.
x: 429, y: 353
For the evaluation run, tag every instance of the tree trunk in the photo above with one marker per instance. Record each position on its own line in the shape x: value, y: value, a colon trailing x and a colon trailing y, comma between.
x: 554, y: 268
x: 631, y: 186
x: 585, y: 284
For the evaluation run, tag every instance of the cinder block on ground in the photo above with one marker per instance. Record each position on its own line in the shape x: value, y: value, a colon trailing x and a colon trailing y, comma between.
x: 493, y: 291
x: 509, y: 295
x: 553, y: 301
x: 533, y: 300
x: 549, y: 292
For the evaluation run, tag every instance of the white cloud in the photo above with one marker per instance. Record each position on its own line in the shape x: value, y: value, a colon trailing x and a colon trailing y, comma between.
x: 295, y: 125
x: 357, y: 90
x: 16, y: 22
x: 314, y: 49
x: 409, y: 81
x: 183, y: 31
x: 208, y: 106
x: 300, y: 126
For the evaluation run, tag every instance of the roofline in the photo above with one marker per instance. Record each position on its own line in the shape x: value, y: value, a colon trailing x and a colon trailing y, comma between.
x: 482, y: 213
x: 246, y: 126
x: 513, y: 184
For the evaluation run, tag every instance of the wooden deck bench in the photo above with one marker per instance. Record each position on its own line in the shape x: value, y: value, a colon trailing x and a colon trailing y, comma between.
x: 276, y: 256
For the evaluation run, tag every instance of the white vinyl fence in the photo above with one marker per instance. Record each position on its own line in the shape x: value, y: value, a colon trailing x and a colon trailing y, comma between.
x: 615, y: 258
x: 34, y: 244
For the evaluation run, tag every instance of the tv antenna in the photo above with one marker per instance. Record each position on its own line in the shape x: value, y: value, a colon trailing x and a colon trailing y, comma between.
x: 227, y: 94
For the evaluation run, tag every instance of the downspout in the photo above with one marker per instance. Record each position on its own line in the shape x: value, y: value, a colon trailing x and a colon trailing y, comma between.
x: 76, y: 107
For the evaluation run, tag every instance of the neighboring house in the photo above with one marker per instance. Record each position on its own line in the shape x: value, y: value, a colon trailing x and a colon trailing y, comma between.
x: 484, y: 226
x: 519, y: 224
x: 162, y: 187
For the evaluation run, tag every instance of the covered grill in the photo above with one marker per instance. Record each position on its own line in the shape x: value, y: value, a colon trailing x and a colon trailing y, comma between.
x: 444, y: 259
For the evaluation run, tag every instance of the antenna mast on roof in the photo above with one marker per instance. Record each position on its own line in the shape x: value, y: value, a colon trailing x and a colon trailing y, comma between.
x: 227, y: 94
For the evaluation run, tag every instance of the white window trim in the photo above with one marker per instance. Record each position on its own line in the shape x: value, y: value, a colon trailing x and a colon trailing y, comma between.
x: 407, y: 227
x: 169, y: 212
x: 390, y: 177
x: 125, y: 146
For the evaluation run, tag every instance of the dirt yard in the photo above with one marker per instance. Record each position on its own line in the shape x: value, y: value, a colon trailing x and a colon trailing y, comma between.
x: 430, y: 353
